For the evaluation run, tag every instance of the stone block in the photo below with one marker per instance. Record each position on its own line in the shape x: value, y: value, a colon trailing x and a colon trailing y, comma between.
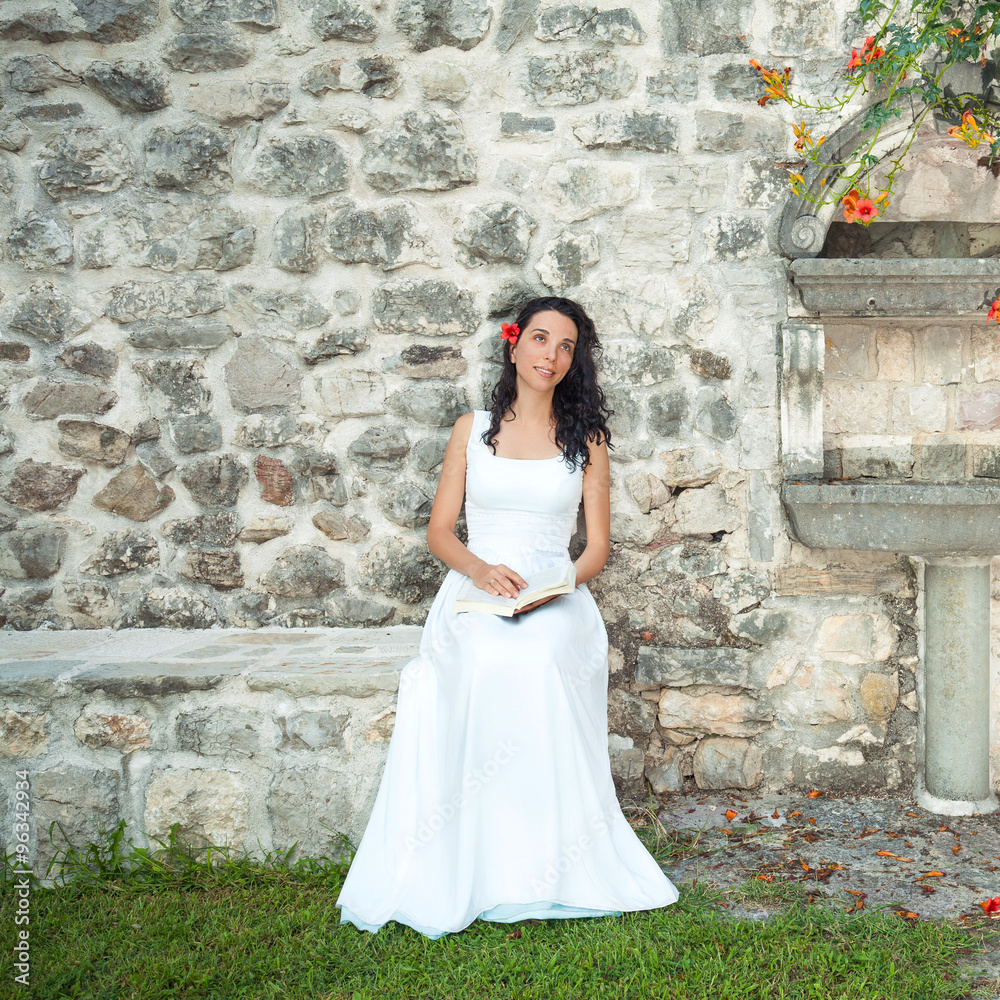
x: 711, y: 712
x: 131, y: 86
x: 978, y: 408
x: 759, y: 438
x: 803, y: 406
x: 90, y: 440
x: 51, y: 399
x: 709, y: 28
x: 89, y: 359
x: 515, y: 126
x: 134, y: 494
x: 434, y: 308
x: 427, y: 24
x: 48, y: 314
x: 208, y: 49
x: 40, y: 486
x: 736, y: 238
x: 856, y: 407
x: 34, y: 553
x: 353, y: 394
x: 677, y: 84
x: 722, y: 762
x: 737, y: 82
x: 564, y: 259
x: 714, y: 414
x: 879, y: 695
x: 650, y: 131
x: 657, y: 240
x: 762, y: 183
x: 681, y: 187
x: 667, y: 776
x: 377, y: 76
x: 571, y: 78
x: 691, y: 467
x: 72, y: 798
x: 420, y: 151
x: 814, y: 694
x: 113, y: 731
x: 234, y: 102
x: 619, y: 26
x: 261, y: 379
x: 22, y: 735
x: 303, y: 571
x: 194, y: 158
x: 725, y: 132
x: 204, y: 530
x: 343, y: 20
x: 677, y: 666
x: 941, y: 458
x: 894, y: 354
x: 445, y: 82
x: 217, y: 569
x: 888, y: 456
x: 856, y: 638
x: 210, y: 806
x: 942, y: 351
x: 497, y: 233
x: 306, y: 165
x: 801, y: 28
x: 760, y: 522
x: 122, y: 552
x: 985, y: 354
x: 986, y: 460
x: 578, y: 189
x: 919, y: 408
x: 704, y: 511
x: 846, y: 352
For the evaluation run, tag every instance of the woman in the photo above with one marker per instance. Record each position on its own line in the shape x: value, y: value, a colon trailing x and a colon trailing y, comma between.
x: 497, y: 800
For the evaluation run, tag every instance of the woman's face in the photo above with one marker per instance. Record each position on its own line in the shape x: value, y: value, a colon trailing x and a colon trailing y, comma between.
x: 545, y: 346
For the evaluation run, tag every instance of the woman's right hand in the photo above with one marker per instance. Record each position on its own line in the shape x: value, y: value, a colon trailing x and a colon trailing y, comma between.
x: 499, y: 580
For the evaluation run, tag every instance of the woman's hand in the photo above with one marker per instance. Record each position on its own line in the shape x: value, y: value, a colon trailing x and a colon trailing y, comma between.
x: 499, y: 580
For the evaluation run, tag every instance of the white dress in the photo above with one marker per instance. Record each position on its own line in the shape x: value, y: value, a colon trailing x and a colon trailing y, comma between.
x: 496, y: 801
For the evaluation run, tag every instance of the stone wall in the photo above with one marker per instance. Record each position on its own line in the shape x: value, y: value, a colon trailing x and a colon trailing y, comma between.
x: 256, y: 259
x: 911, y: 400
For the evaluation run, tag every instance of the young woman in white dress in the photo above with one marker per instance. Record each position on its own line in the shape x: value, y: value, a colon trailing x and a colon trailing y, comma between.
x: 497, y: 801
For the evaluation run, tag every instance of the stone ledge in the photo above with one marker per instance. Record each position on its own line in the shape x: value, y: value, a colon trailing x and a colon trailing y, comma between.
x: 354, y: 662
x: 913, y: 287
x: 922, y: 520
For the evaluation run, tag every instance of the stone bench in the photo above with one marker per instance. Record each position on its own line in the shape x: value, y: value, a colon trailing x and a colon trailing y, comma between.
x: 251, y: 738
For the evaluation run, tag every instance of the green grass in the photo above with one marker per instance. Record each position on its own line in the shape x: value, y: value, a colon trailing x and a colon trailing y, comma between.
x: 171, y: 922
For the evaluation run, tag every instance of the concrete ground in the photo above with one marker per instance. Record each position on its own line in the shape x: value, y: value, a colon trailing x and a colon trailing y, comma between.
x: 861, y: 852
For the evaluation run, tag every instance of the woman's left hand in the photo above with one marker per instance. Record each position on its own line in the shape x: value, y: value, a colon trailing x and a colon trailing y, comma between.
x: 537, y: 604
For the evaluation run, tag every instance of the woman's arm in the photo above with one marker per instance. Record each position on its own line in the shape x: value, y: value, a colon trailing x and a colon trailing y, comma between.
x: 441, y: 538
x: 597, y: 512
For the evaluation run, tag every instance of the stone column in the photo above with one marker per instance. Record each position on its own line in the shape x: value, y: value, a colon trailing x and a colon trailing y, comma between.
x: 956, y: 685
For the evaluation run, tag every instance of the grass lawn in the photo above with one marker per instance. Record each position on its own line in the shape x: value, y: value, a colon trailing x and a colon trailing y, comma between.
x: 164, y: 923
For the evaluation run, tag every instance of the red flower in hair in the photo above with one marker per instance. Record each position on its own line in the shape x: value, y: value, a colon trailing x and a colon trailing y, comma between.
x: 509, y: 332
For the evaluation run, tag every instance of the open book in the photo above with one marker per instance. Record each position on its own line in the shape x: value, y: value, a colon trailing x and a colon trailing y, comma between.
x: 559, y: 579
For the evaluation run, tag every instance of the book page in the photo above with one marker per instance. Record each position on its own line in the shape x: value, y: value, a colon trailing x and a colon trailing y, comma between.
x: 550, y: 577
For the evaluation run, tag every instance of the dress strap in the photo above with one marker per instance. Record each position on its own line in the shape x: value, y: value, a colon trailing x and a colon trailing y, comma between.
x: 477, y: 430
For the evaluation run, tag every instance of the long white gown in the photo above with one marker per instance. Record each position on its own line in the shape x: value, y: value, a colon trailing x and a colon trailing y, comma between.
x: 497, y: 801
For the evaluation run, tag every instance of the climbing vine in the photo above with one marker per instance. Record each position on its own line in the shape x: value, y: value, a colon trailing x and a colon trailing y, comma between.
x: 904, y: 60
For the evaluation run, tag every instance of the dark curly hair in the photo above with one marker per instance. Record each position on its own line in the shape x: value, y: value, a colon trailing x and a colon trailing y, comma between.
x: 578, y: 402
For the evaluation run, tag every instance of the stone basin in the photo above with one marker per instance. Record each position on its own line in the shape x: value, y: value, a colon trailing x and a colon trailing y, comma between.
x: 916, y: 519
x: 955, y: 529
